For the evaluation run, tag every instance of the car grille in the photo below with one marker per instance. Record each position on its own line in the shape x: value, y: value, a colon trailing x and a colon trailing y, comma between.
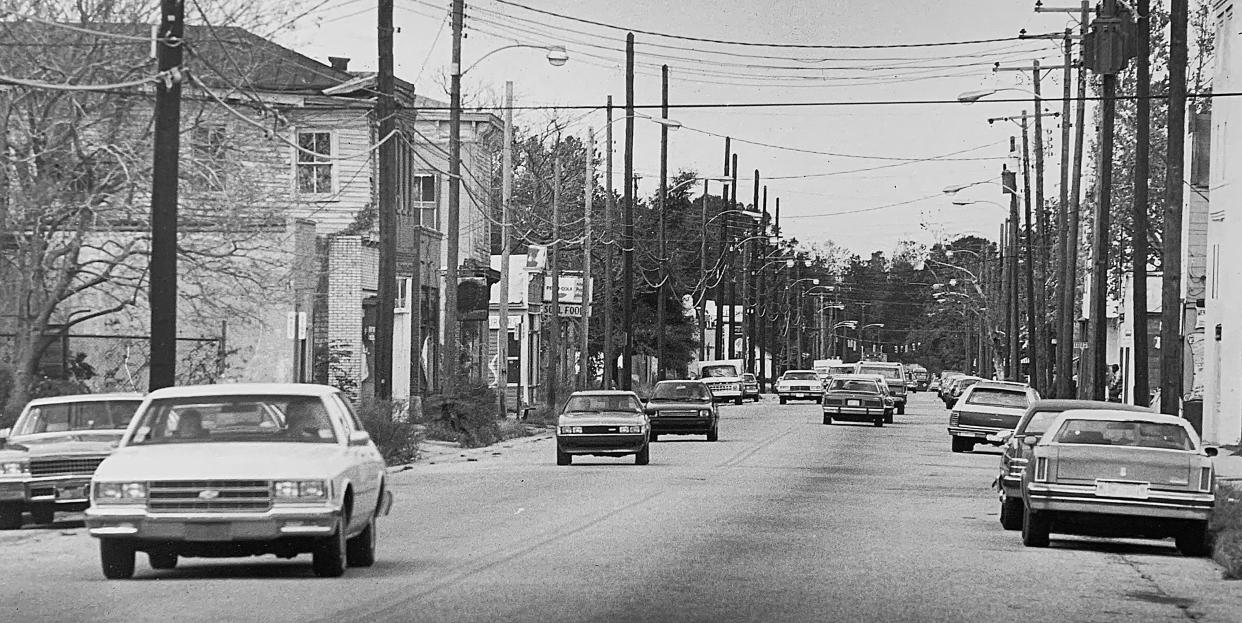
x: 683, y: 413
x: 179, y: 496
x: 803, y: 388
x: 716, y: 387
x: 602, y: 430
x: 64, y: 467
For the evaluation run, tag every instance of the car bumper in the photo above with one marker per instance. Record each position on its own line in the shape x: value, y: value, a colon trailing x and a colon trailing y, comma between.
x: 59, y: 490
x: 980, y: 433
x: 866, y: 414
x: 137, y: 523
x: 601, y: 444
x: 1082, y: 499
x: 798, y: 395
x: 681, y: 425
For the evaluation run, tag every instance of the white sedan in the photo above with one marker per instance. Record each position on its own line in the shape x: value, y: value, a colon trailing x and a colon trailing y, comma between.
x: 240, y: 470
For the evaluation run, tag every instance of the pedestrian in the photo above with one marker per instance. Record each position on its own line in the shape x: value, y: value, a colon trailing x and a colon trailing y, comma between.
x: 1114, y: 383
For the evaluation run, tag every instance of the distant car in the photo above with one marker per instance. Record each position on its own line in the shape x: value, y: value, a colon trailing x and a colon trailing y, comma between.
x: 47, y: 458
x: 1016, y: 455
x: 890, y: 402
x: 750, y: 387
x: 894, y: 374
x: 682, y: 408
x: 799, y: 385
x: 986, y: 409
x: 956, y: 387
x: 856, y: 399
x: 603, y: 423
x: 1119, y: 474
x: 240, y: 470
x: 836, y: 369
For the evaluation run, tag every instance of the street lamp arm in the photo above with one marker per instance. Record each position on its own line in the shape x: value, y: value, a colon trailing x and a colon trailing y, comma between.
x: 557, y: 55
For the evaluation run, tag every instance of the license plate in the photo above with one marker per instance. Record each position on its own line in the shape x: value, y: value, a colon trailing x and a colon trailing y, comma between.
x: 853, y: 403
x: 71, y: 493
x: 799, y: 395
x: 207, y: 532
x: 1130, y: 490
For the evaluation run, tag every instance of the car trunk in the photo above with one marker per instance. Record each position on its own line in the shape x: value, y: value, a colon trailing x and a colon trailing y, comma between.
x: 989, y: 417
x: 1163, y: 469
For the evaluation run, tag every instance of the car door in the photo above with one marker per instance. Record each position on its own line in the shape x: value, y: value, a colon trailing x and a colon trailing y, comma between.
x: 365, y: 469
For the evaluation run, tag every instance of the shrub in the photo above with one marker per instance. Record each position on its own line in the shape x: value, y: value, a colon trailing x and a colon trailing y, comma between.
x: 1226, y: 524
x: 464, y: 413
x: 396, y: 437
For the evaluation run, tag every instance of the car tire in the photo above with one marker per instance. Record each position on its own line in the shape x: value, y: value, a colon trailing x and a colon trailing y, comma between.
x: 116, y: 557
x: 713, y: 434
x: 1035, y: 527
x: 757, y: 396
x: 901, y: 409
x: 960, y: 445
x: 43, y: 515
x: 1011, y: 513
x: 563, y: 458
x: 643, y: 456
x: 827, y: 419
x: 10, y: 516
x: 162, y: 560
x: 782, y: 400
x: 1194, y: 540
x: 879, y: 422
x: 360, y: 550
x: 328, y: 559
x: 738, y: 401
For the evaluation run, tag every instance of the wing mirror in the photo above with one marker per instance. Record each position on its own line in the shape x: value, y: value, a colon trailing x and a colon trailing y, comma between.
x: 1210, y: 450
x: 359, y: 438
x: 1031, y: 440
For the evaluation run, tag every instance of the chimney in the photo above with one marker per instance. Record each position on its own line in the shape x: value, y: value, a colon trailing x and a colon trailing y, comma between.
x: 339, y: 63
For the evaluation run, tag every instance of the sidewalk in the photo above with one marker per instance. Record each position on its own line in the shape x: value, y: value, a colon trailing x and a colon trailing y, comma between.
x: 1228, y: 466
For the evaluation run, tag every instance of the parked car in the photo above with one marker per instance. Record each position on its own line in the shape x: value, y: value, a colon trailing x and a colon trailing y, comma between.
x: 957, y: 386
x: 945, y: 380
x: 894, y: 374
x: 985, y: 409
x: 799, y: 385
x: 682, y: 408
x: 750, y: 387
x: 1119, y: 474
x: 603, y: 423
x: 47, y: 458
x: 1016, y: 455
x: 856, y: 399
x: 240, y: 470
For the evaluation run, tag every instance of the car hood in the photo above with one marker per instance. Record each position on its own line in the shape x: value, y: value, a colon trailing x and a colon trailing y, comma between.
x: 59, y: 444
x: 605, y: 418
x: 677, y: 405
x: 224, y: 461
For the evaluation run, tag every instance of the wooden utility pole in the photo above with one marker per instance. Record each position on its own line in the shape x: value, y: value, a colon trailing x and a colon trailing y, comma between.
x: 1142, y: 168
x: 162, y: 294
x: 1011, y: 281
x: 720, y: 258
x: 761, y: 296
x: 1032, y: 320
x: 1067, y: 249
x: 610, y: 211
x: 386, y: 206
x: 733, y: 328
x: 627, y: 235
x: 750, y: 302
x: 588, y: 190
x: 506, y: 211
x: 554, y: 321
x: 1098, y: 309
x: 1171, y: 295
x: 701, y: 307
x: 449, y: 362
x: 1041, y: 370
x: 661, y: 206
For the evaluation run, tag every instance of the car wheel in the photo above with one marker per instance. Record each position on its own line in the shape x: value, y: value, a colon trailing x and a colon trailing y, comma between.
x: 117, y: 559
x: 1011, y: 513
x: 738, y: 401
x: 880, y: 422
x: 960, y: 444
x: 1035, y: 528
x: 757, y: 397
x: 901, y: 409
x: 328, y: 558
x: 782, y: 400
x: 162, y: 560
x: 713, y: 434
x: 43, y: 515
x: 360, y: 550
x: 827, y: 419
x: 563, y: 458
x: 644, y: 456
x: 10, y: 516
x: 1194, y: 540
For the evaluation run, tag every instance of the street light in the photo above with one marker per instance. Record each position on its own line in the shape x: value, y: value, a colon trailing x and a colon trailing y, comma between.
x: 970, y: 97
x: 556, y: 54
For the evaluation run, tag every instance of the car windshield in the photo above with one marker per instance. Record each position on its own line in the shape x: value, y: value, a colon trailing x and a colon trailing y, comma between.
x: 75, y: 416
x: 840, y: 369
x: 1112, y: 433
x: 996, y: 397
x: 721, y: 370
x: 748, y: 377
x: 800, y: 376
x: 1038, y: 424
x: 885, y: 371
x: 595, y: 404
x: 212, y: 419
x: 694, y: 392
x: 854, y: 385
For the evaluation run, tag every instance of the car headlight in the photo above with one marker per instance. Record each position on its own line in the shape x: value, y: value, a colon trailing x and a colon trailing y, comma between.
x: 705, y: 412
x: 122, y: 492
x: 571, y: 430
x: 302, y: 490
x: 15, y: 468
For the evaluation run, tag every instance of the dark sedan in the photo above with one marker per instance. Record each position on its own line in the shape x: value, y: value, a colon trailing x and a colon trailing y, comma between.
x: 682, y: 408
x: 854, y: 398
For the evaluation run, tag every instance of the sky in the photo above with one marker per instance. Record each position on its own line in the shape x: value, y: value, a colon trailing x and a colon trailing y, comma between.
x: 862, y: 175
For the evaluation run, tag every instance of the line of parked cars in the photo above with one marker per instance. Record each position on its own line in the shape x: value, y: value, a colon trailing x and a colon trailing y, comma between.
x: 1087, y: 467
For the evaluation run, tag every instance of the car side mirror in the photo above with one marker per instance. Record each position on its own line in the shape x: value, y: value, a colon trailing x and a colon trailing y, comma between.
x: 1030, y: 440
x: 1210, y: 450
x: 359, y: 438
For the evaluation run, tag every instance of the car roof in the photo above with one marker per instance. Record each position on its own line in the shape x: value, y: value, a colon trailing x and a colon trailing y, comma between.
x: 861, y: 377
x: 243, y: 389
x: 1009, y: 385
x: 604, y: 392
x: 1120, y: 415
x: 886, y: 364
x: 807, y: 371
x: 1066, y: 404
x: 52, y: 400
x: 599, y: 392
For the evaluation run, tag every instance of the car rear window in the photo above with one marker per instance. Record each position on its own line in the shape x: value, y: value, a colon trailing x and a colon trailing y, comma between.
x: 994, y: 397
x: 1038, y: 424
x: 885, y: 371
x: 1111, y: 433
x: 855, y: 385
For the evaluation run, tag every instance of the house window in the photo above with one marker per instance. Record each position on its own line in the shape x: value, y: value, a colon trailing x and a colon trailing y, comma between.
x: 402, y: 295
x: 314, y: 162
x: 424, y: 200
x: 209, y: 152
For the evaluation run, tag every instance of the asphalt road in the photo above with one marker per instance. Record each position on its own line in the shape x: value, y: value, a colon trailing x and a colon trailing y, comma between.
x: 783, y: 519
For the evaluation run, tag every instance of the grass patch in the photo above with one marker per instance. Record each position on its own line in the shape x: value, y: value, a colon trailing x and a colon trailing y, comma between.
x: 396, y: 437
x: 1226, y: 526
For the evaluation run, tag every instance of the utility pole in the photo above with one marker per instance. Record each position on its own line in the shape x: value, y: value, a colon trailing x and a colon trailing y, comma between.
x: 452, y: 233
x: 610, y: 211
x: 661, y: 288
x: 1065, y: 277
x: 1070, y: 313
x: 761, y: 298
x: 162, y: 294
x: 1042, y: 371
x: 701, y: 308
x: 588, y: 190
x: 627, y: 234
x: 721, y: 260
x: 386, y: 196
x: 1170, y: 299
x: 750, y: 303
x: 1011, y: 283
x: 506, y: 210
x: 554, y: 323
x: 1142, y: 172
x: 733, y: 321
x: 1032, y: 321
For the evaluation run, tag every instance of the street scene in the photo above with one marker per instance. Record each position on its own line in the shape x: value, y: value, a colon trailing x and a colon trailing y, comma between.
x: 548, y: 310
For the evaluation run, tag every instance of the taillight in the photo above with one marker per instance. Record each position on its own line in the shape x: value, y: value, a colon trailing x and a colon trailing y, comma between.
x: 1205, y: 479
x: 953, y: 418
x: 1041, y: 469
